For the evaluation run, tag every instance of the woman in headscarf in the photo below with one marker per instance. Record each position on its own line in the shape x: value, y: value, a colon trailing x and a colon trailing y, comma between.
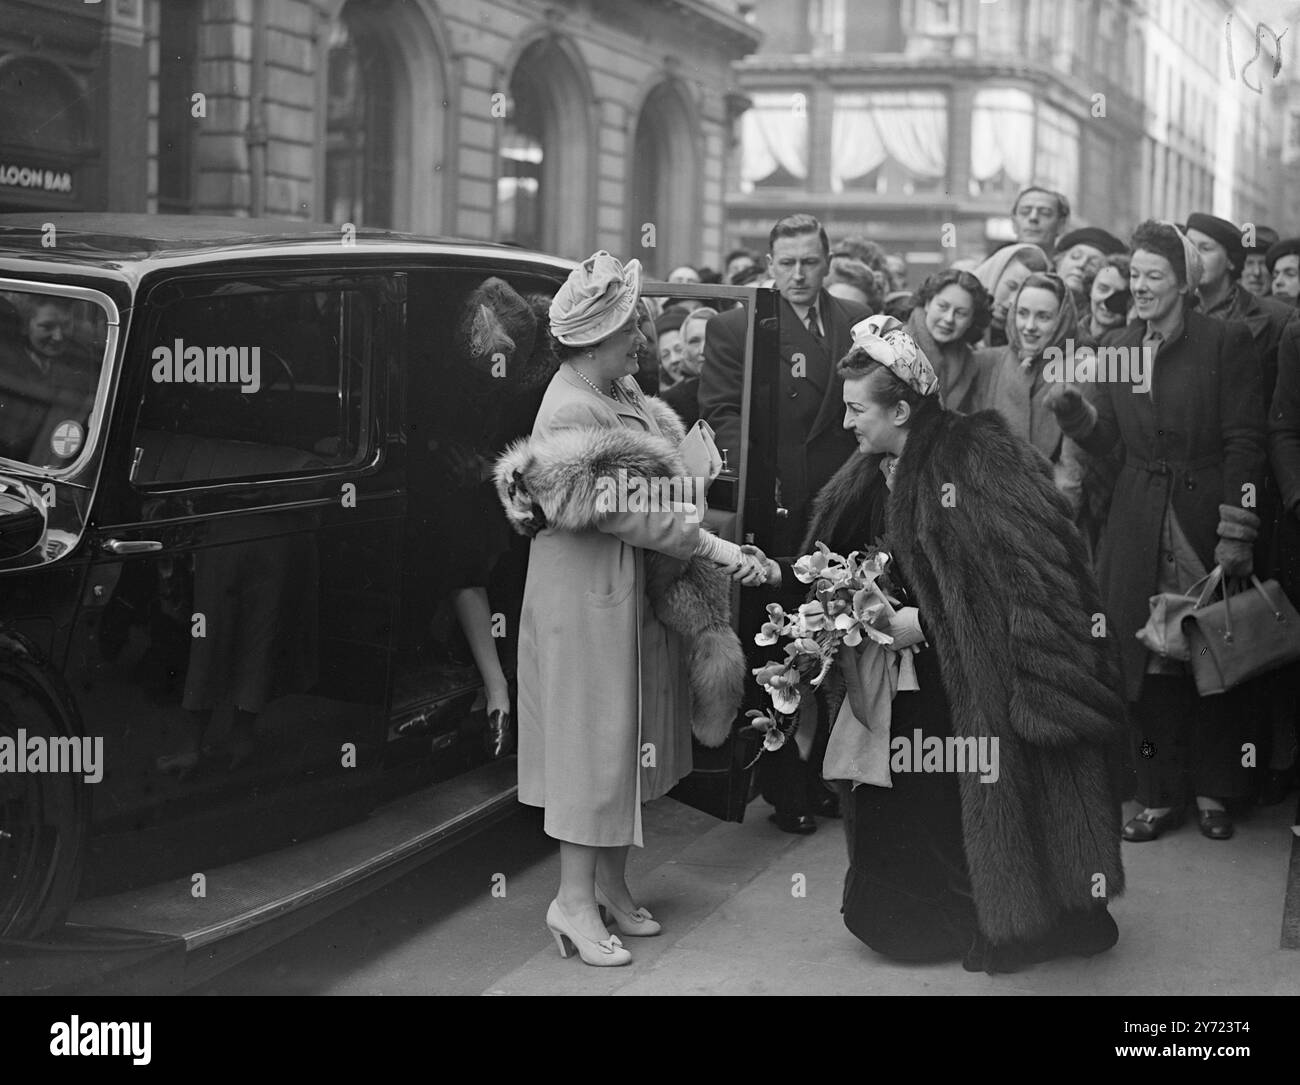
x: 1193, y: 460
x: 1013, y: 862
x: 625, y: 639
x: 1015, y: 379
x: 951, y: 312
x: 1003, y: 274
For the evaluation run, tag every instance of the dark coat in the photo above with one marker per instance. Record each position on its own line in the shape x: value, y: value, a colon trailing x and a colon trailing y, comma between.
x: 1284, y: 455
x: 811, y: 443
x: 1197, y: 439
x: 1005, y: 594
x: 684, y: 398
x: 1266, y: 318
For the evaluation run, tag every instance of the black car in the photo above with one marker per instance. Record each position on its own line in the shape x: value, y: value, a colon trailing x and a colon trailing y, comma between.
x: 247, y: 538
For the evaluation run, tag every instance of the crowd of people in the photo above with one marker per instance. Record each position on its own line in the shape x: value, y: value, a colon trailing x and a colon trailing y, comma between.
x: 1021, y: 503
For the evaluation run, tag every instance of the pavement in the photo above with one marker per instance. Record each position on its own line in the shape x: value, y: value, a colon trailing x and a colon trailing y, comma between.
x: 749, y: 910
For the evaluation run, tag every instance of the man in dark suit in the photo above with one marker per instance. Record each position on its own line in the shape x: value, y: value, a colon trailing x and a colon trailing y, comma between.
x: 811, y: 442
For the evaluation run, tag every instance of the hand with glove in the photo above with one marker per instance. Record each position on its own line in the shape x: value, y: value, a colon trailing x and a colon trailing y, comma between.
x: 905, y: 628
x: 1073, y: 413
x: 1238, y: 530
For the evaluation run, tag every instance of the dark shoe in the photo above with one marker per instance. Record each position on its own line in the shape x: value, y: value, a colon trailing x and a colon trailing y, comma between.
x: 793, y: 823
x: 1277, y: 783
x: 1216, y: 824
x: 1142, y: 828
x: 996, y: 957
x: 1078, y: 934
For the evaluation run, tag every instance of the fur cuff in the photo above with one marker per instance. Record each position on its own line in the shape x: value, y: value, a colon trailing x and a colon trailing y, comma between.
x: 1237, y: 523
x: 555, y: 480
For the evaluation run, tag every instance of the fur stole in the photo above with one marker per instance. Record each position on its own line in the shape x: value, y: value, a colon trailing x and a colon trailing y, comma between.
x: 1002, y: 580
x: 554, y: 481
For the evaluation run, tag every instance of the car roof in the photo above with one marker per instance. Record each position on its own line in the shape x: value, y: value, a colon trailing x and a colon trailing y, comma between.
x: 117, y: 240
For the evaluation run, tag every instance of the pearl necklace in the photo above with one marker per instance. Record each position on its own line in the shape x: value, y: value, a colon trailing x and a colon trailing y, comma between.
x: 594, y: 386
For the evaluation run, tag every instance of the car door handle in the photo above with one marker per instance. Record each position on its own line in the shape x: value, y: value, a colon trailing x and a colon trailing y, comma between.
x: 131, y: 546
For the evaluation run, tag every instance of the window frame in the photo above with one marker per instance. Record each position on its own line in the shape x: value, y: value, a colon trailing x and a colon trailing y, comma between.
x: 375, y: 395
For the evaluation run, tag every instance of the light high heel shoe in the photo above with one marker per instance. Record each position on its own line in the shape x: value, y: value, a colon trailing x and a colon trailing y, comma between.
x: 604, y: 954
x: 635, y: 924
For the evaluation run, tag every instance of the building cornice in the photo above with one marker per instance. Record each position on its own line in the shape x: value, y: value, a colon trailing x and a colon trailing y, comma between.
x: 716, y: 19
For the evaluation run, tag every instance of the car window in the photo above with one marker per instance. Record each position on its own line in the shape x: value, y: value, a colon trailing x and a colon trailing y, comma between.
x: 246, y: 382
x: 51, y: 353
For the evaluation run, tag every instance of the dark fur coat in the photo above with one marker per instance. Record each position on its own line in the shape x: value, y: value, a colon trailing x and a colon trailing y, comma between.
x: 555, y: 481
x: 1001, y: 579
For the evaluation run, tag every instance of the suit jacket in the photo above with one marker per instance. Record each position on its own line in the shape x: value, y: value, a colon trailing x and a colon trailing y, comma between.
x: 811, y: 441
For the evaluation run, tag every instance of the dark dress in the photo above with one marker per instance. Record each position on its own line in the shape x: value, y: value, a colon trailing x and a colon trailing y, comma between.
x: 907, y: 893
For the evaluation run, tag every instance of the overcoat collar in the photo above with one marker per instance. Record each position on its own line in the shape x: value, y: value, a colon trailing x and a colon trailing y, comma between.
x: 617, y: 406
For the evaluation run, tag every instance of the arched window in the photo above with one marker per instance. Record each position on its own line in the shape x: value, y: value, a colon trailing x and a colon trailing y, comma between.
x: 543, y: 197
x: 519, y: 179
x: 358, y: 127
x: 664, y: 182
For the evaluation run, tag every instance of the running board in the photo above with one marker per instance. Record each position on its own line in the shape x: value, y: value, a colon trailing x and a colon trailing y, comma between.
x: 181, y: 933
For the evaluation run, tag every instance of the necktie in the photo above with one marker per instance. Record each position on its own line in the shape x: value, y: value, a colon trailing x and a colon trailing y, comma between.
x: 814, y: 328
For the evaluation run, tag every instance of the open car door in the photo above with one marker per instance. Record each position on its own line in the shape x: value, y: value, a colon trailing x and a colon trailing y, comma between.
x: 742, y: 508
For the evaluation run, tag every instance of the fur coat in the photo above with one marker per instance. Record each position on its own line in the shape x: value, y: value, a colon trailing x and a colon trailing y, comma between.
x: 555, y: 481
x: 1001, y: 580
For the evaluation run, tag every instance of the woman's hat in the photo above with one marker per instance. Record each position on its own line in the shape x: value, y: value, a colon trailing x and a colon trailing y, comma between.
x: 496, y: 325
x: 884, y: 339
x: 1105, y: 243
x: 1289, y: 246
x: 596, y: 300
x: 1222, y: 231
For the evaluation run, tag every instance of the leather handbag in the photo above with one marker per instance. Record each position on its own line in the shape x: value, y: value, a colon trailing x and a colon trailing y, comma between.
x: 1247, y: 634
x: 1163, y: 633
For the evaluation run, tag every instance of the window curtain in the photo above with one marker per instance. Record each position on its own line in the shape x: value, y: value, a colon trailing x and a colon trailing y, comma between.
x: 1058, y: 150
x: 911, y: 127
x: 1002, y: 135
x: 774, y: 135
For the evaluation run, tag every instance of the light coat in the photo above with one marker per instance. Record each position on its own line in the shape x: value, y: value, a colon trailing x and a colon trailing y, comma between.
x: 604, y: 694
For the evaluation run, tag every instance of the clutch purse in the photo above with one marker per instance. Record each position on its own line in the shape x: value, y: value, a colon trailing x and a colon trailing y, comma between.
x: 1249, y: 633
x: 1163, y: 633
x: 700, y: 453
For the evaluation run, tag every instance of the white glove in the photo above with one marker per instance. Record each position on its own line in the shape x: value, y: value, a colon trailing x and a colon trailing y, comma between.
x: 719, y: 551
x: 905, y: 628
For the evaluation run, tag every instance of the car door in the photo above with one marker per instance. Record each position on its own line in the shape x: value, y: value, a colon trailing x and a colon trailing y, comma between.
x: 239, y: 609
x: 742, y: 508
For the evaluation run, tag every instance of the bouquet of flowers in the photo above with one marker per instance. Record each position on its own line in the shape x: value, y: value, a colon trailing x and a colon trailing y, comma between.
x: 851, y: 599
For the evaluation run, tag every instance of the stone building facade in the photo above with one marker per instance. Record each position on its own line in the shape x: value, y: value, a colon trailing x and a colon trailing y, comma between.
x: 564, y: 125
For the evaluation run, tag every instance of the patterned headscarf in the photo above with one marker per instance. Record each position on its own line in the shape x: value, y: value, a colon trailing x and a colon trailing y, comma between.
x: 887, y: 341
